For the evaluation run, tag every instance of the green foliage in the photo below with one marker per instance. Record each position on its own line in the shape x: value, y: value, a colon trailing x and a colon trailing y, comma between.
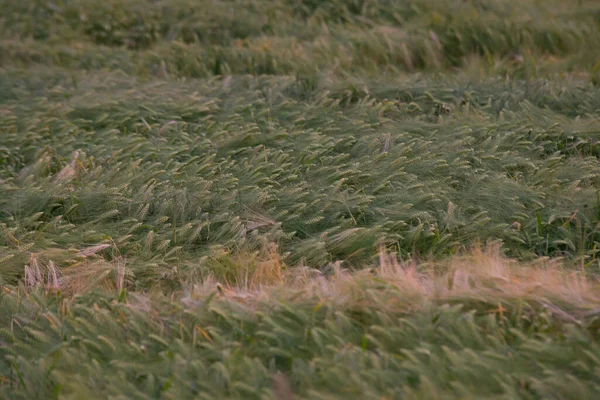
x: 96, y: 347
x: 151, y: 146
x: 201, y: 38
x: 162, y: 172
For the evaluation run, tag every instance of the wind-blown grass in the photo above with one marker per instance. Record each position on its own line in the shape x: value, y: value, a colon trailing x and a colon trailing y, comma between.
x: 198, y: 198
x: 486, y: 329
x: 169, y: 173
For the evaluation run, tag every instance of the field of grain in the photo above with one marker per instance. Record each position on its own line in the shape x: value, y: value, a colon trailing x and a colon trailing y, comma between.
x: 310, y: 199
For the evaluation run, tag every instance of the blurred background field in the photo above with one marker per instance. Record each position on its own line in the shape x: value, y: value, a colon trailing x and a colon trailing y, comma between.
x: 242, y: 150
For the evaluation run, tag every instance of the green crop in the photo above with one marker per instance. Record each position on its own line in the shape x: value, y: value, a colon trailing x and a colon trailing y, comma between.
x: 150, y: 149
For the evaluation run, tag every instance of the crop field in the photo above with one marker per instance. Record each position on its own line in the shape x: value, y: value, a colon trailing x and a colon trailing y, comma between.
x: 300, y: 199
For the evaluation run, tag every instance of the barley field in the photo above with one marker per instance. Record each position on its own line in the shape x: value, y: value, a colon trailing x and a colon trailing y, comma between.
x: 300, y: 199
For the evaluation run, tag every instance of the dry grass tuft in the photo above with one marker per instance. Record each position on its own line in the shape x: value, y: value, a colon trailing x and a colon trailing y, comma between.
x: 75, y: 272
x: 483, y: 276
